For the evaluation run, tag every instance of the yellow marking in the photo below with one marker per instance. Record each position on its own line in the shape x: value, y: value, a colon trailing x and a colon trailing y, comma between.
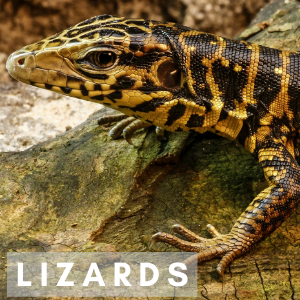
x: 110, y: 80
x: 90, y: 86
x: 97, y: 93
x: 105, y: 87
x: 146, y: 97
x: 280, y: 105
x: 212, y: 117
x: 161, y: 47
x: 148, y: 47
x: 247, y: 92
x: 225, y: 62
x: 278, y: 70
x: 110, y: 19
x: 58, y: 90
x: 96, y: 36
x: 285, y: 85
x: 131, y: 101
x: 250, y: 143
x: 229, y: 127
x: 284, y: 129
x: 139, y: 53
x: 75, y: 32
x: 73, y: 85
x: 266, y: 120
x: 238, y: 68
x: 239, y: 112
x: 40, y: 85
x: 52, y: 44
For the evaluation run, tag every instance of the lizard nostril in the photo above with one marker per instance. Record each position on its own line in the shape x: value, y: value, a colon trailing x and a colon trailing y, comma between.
x: 21, y: 61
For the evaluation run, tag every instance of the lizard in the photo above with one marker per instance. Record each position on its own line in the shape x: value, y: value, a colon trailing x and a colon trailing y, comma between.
x: 180, y: 79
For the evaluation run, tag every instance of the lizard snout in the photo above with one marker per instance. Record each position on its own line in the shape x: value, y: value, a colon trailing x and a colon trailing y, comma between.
x: 19, y: 65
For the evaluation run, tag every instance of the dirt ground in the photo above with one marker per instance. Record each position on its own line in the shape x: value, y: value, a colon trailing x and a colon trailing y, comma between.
x: 29, y: 115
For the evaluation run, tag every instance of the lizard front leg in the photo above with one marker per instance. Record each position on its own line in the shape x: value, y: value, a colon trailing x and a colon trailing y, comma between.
x: 266, y: 212
x: 127, y: 126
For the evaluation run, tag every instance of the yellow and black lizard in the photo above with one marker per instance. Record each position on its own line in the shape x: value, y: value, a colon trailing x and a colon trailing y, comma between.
x: 180, y: 79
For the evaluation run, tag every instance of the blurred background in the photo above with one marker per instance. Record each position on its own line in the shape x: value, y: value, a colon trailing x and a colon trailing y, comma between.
x: 26, y: 21
x: 25, y: 117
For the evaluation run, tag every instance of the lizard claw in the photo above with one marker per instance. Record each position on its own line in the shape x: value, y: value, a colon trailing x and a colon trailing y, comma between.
x: 126, y: 125
x: 154, y: 239
x: 212, y: 230
x: 228, y: 246
x: 132, y: 128
x: 175, y: 228
x: 118, y: 129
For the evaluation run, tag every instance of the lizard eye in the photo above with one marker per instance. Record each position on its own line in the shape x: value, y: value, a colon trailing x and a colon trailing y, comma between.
x: 103, y: 59
x: 169, y: 74
x: 98, y: 60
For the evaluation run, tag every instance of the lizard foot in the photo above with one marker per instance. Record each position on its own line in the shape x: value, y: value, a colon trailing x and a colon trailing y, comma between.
x: 228, y: 246
x: 127, y: 126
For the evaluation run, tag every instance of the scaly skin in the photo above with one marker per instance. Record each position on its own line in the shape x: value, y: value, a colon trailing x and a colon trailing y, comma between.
x: 177, y: 78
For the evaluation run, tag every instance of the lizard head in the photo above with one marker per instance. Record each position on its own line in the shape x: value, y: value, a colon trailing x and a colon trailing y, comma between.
x: 128, y: 64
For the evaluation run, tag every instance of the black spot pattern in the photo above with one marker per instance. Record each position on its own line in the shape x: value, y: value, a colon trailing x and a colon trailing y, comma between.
x: 149, y: 105
x: 176, y: 112
x: 195, y: 121
x: 98, y: 97
x: 124, y: 82
x: 48, y: 86
x: 114, y: 96
x: 83, y: 90
x: 66, y: 90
